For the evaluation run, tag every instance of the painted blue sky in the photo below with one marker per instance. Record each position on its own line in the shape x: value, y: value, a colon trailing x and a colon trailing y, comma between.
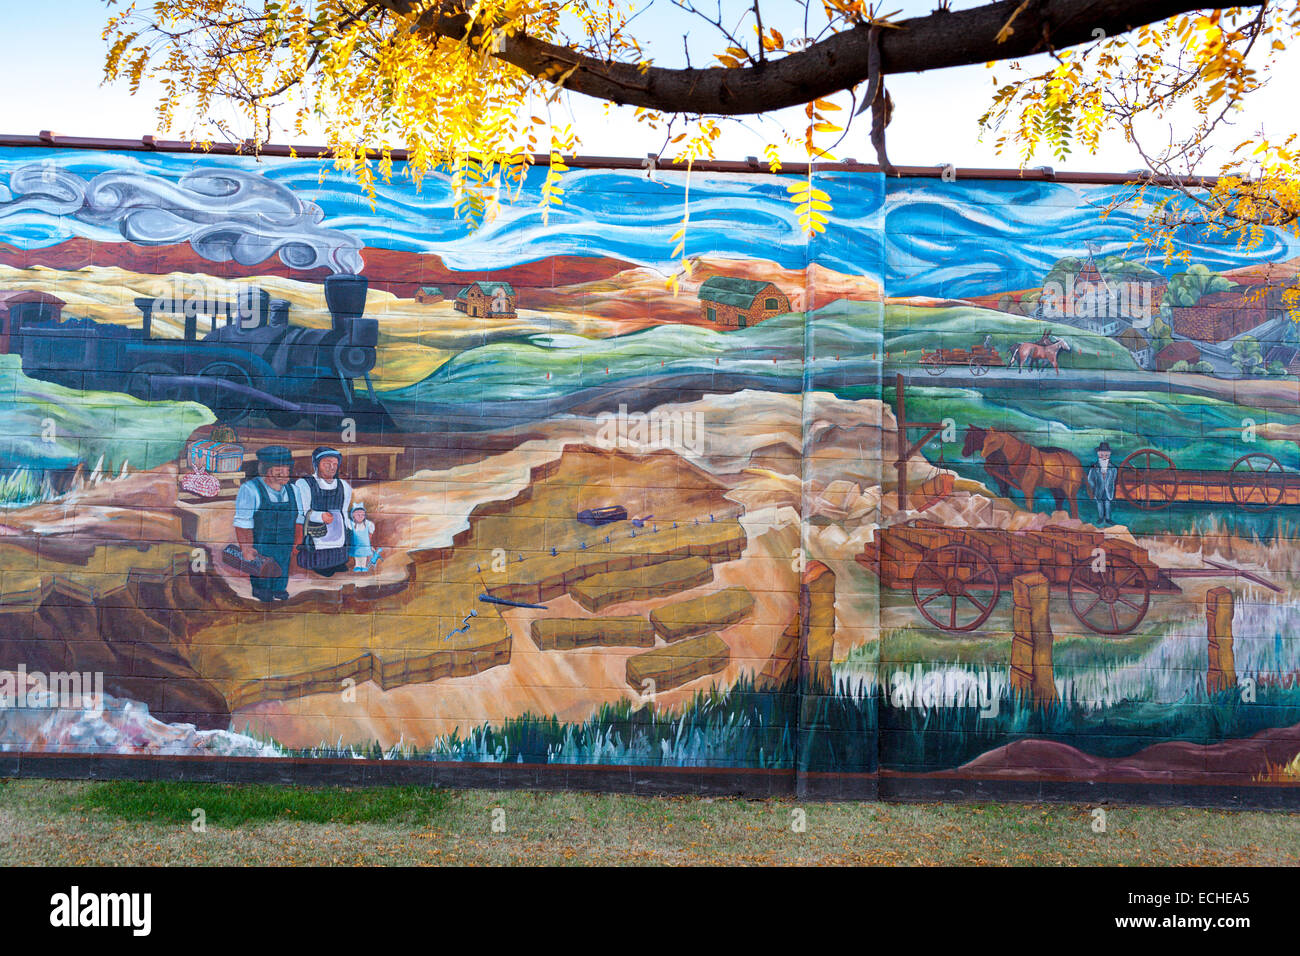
x: 928, y: 237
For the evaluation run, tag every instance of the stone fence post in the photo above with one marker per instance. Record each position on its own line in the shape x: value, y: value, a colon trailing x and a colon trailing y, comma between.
x: 1218, y: 632
x: 1031, y: 645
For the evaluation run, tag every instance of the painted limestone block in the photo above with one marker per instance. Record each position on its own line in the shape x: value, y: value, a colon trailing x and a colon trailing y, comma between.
x: 567, y: 633
x: 707, y: 612
x: 679, y: 663
x: 616, y: 587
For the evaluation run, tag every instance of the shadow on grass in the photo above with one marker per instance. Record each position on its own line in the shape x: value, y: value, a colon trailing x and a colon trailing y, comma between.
x: 227, y: 806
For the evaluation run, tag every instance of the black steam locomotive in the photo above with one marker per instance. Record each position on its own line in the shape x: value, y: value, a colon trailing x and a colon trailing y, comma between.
x: 248, y: 362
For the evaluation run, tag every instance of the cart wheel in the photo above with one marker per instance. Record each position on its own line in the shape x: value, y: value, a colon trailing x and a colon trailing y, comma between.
x: 1257, y: 481
x: 1113, y: 601
x: 932, y: 364
x: 955, y: 587
x: 1147, y: 478
x: 978, y: 367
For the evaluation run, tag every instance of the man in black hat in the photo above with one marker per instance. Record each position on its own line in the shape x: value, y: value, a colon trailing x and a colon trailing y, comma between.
x: 323, y: 500
x: 1101, y: 483
x: 266, y: 520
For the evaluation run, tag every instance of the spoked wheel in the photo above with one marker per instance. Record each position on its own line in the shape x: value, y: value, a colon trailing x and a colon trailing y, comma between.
x: 1111, y: 601
x: 1147, y: 478
x: 932, y: 364
x: 978, y: 367
x: 230, y: 405
x: 955, y: 587
x: 1257, y: 481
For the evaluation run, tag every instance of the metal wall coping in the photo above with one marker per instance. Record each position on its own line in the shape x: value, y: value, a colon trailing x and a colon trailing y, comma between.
x: 751, y: 164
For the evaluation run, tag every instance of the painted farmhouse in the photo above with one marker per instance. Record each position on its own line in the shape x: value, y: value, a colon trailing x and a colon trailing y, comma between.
x: 494, y: 300
x: 739, y: 303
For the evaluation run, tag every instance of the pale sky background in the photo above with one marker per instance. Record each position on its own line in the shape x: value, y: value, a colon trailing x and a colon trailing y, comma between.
x: 51, y: 69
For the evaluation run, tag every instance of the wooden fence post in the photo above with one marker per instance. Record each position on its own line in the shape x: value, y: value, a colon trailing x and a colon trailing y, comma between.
x: 1031, y: 644
x: 1218, y: 632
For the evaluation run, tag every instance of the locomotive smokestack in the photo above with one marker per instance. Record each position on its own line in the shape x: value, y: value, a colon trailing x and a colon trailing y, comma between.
x: 354, y: 352
x: 345, y: 295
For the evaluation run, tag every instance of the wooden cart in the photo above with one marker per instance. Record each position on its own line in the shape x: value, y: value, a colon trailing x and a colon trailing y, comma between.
x: 957, y: 575
x: 1256, y: 481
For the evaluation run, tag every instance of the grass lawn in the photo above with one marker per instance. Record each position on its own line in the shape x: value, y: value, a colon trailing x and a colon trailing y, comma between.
x: 46, y: 822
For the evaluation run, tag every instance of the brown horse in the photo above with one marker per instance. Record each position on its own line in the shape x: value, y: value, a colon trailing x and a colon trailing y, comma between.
x: 1029, y: 354
x: 1014, y: 463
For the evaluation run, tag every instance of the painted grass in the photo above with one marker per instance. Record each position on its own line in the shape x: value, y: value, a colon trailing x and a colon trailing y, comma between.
x: 22, y: 486
x: 1112, y: 706
x: 741, y: 726
x: 838, y: 730
x: 41, y: 824
x: 87, y: 425
x: 1284, y: 773
x: 737, y: 727
x: 906, y: 645
x: 927, y: 738
x: 232, y: 806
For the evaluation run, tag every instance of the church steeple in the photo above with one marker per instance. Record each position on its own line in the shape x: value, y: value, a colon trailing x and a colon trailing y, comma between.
x: 1089, y: 271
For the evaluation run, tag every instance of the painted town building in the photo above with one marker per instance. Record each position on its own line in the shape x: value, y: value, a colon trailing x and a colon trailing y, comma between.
x: 1287, y: 356
x: 1176, y: 352
x: 1138, y: 345
x: 1089, y: 301
x: 1220, y: 316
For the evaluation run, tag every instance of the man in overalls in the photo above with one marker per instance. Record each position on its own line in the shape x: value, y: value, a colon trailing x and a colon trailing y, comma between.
x: 323, y: 500
x: 266, y: 520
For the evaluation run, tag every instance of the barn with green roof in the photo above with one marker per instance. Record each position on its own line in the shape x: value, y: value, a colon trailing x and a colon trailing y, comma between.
x: 731, y: 303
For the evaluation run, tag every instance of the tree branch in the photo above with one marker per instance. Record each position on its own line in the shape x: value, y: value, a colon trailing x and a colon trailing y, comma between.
x: 942, y: 39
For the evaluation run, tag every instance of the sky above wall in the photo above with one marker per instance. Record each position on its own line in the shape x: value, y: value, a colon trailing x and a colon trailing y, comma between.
x: 52, y: 68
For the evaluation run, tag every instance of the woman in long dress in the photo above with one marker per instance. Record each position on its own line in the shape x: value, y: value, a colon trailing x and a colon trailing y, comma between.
x: 323, y: 500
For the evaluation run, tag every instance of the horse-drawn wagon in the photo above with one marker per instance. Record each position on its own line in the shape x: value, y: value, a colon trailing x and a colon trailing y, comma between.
x: 957, y: 575
x: 978, y: 359
x: 1025, y: 355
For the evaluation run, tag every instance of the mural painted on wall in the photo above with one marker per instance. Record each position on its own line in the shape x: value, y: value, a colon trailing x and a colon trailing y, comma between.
x: 966, y: 486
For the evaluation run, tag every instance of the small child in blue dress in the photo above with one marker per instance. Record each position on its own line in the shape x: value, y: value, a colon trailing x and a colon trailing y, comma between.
x: 365, y: 556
